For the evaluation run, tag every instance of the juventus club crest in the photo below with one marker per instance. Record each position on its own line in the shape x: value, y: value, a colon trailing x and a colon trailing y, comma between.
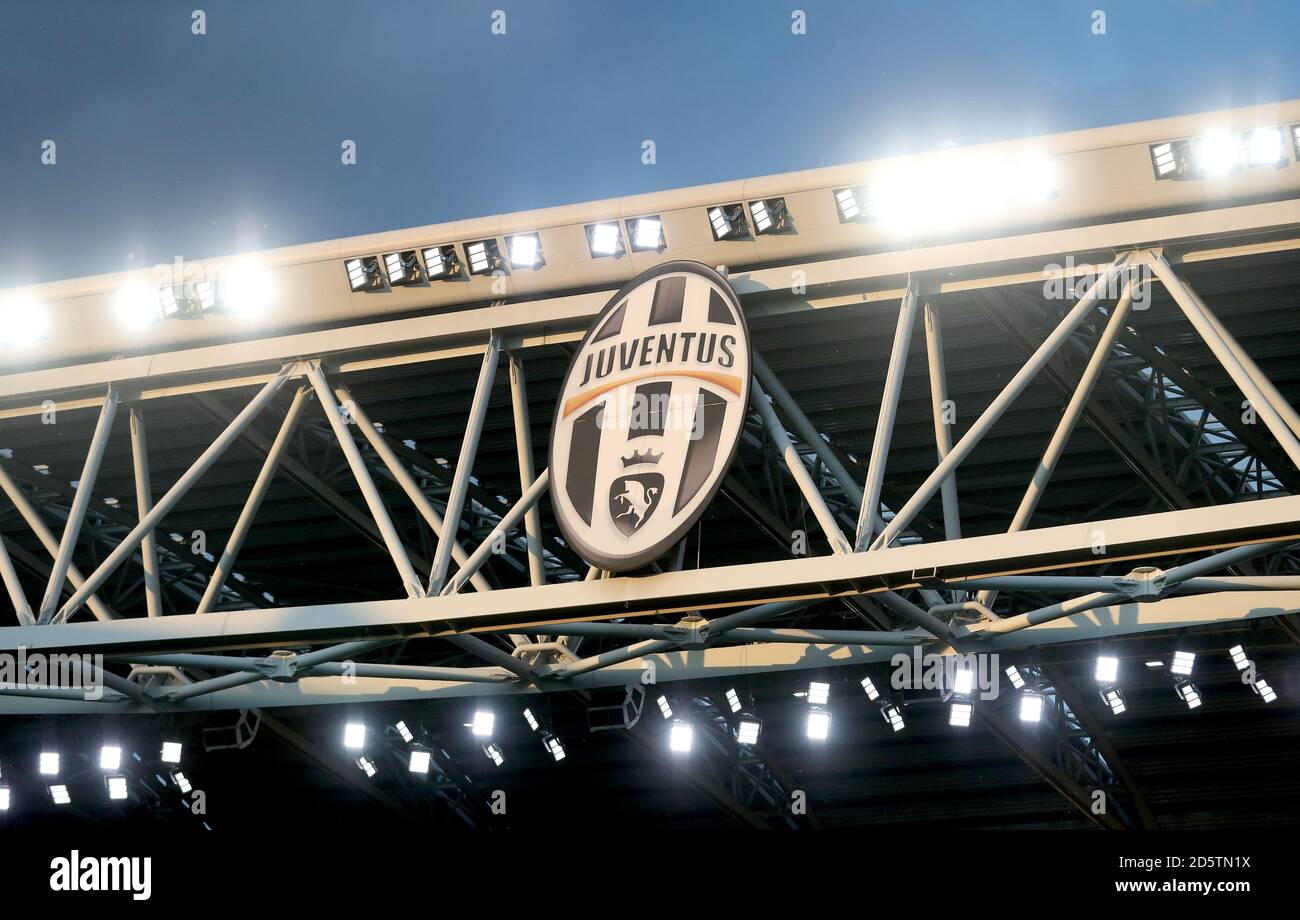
x: 650, y: 415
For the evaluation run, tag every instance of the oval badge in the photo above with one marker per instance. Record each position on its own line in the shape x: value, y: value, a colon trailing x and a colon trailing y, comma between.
x: 650, y: 415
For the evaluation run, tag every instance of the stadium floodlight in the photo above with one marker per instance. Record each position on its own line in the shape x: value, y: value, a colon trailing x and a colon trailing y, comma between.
x: 963, y: 682
x: 1266, y: 147
x: 49, y: 762
x: 1218, y: 154
x: 959, y: 715
x: 354, y: 736
x: 364, y: 274
x: 555, y: 747
x: 1295, y: 140
x: 1155, y: 665
x: 419, y: 762
x: 818, y: 693
x: 769, y: 215
x: 137, y: 305
x: 893, y: 715
x: 665, y: 708
x: 60, y: 795
x: 1013, y: 674
x: 493, y: 753
x: 4, y: 798
x: 680, y: 737
x: 733, y: 700
x: 1107, y: 669
x: 110, y: 757
x: 1171, y: 159
x: 818, y: 726
x: 848, y: 201
x: 1113, y: 697
x: 23, y: 322
x: 205, y: 293
x: 441, y: 262
x: 1031, y: 707
x: 647, y: 233
x: 116, y: 786
x: 1262, y: 687
x: 367, y: 765
x: 483, y: 257
x: 484, y: 720
x: 869, y: 688
x: 171, y: 752
x: 172, y: 306
x: 728, y: 222
x: 246, y: 289
x: 605, y: 239
x: 747, y: 731
x: 1239, y: 658
x: 525, y: 251
x: 405, y: 732
x: 182, y: 782
x: 403, y: 268
x: 1183, y: 663
x: 531, y: 719
x: 1188, y: 693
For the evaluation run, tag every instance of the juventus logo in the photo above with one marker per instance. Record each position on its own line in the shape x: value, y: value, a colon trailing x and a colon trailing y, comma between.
x: 650, y: 415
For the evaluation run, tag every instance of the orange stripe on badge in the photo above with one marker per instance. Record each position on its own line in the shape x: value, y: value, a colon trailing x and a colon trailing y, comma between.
x: 726, y: 381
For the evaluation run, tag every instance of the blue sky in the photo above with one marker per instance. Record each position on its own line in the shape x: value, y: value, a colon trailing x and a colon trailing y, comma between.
x: 171, y: 144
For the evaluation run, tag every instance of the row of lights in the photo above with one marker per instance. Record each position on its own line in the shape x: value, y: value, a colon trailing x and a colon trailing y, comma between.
x: 1223, y: 153
x: 49, y: 764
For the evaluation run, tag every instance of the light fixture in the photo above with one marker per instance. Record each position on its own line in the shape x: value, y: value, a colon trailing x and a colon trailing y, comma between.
x: 1239, y: 657
x: 171, y: 752
x: 403, y: 268
x: 769, y: 216
x: 733, y: 700
x: 1155, y: 665
x: 405, y: 732
x: 728, y: 222
x: 680, y: 737
x: 1183, y: 663
x: 246, y: 289
x: 848, y: 201
x: 647, y: 234
x: 605, y: 239
x: 483, y: 722
x: 892, y: 715
x: 747, y: 731
x: 870, y: 689
x: 182, y: 782
x: 60, y: 795
x: 419, y: 762
x: 4, y: 798
x: 116, y: 786
x: 110, y: 757
x: 1107, y: 669
x: 23, y: 322
x: 963, y: 682
x: 205, y: 293
x: 354, y: 735
x: 1218, y: 154
x: 959, y: 715
x: 483, y: 257
x: 1265, y: 147
x: 818, y: 693
x: 367, y: 765
x: 955, y: 188
x: 1295, y: 140
x: 172, y: 306
x: 1031, y: 707
x: 818, y: 727
x: 665, y: 708
x: 49, y: 762
x: 364, y: 274
x: 531, y: 719
x: 1114, y: 698
x: 441, y: 263
x: 1266, y: 692
x: 1171, y: 159
x: 555, y: 747
x: 138, y: 305
x: 525, y: 251
x: 1013, y: 674
x: 1188, y: 693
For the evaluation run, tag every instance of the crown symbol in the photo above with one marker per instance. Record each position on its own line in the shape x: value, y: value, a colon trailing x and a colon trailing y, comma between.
x: 649, y: 455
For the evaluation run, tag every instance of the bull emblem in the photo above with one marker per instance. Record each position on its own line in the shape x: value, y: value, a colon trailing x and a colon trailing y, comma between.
x: 632, y: 499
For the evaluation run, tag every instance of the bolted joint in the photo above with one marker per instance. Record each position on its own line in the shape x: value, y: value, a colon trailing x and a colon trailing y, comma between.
x: 1145, y: 583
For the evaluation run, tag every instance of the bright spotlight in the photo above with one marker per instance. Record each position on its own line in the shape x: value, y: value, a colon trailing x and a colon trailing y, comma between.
x: 364, y: 274
x: 171, y: 752
x: 1264, y: 147
x: 483, y: 257
x: 747, y: 732
x: 49, y: 763
x: 681, y: 737
x: 419, y: 762
x: 403, y: 268
x: 367, y: 765
x: 728, y: 222
x: 1266, y: 692
x: 963, y: 682
x: 60, y: 795
x: 605, y: 239
x: 493, y: 753
x: 665, y: 708
x: 1013, y: 674
x: 1113, y: 697
x: 848, y: 201
x: 1171, y: 159
x: 1183, y: 663
x: 483, y: 723
x: 110, y: 757
x: 138, y: 306
x: 525, y: 251
x: 1107, y: 670
x: 4, y: 798
x: 647, y: 234
x: 246, y: 289
x: 893, y: 715
x: 553, y: 745
x: 1031, y: 707
x: 1218, y: 154
x: 531, y: 719
x: 818, y: 693
x: 733, y: 700
x: 440, y: 262
x: 959, y: 715
x: 405, y: 732
x: 1239, y: 657
x: 116, y: 786
x: 23, y: 322
x: 1188, y: 693
x: 182, y: 782
x: 869, y: 688
x: 354, y: 736
x: 769, y: 215
x: 818, y: 727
